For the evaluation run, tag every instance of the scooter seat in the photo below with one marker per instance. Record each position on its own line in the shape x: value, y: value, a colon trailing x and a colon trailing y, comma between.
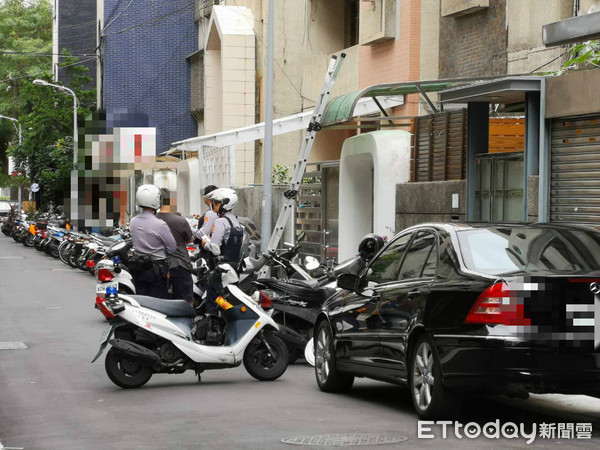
x: 173, y: 308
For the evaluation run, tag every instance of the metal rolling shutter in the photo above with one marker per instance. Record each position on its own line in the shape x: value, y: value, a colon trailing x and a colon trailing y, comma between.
x: 575, y: 170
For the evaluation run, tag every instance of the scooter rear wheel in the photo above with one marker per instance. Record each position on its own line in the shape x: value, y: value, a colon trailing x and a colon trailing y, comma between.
x: 266, y: 357
x: 125, y: 372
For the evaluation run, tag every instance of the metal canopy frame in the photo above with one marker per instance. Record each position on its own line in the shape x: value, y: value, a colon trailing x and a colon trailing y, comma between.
x: 510, y: 90
x: 342, y: 109
x: 507, y: 90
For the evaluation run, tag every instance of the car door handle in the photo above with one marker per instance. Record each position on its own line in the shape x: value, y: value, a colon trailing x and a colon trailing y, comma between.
x: 412, y: 295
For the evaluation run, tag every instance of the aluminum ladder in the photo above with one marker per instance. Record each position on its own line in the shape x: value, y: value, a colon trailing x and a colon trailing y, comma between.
x: 309, y: 138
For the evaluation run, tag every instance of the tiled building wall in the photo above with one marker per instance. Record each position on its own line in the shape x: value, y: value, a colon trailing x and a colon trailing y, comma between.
x: 145, y: 66
x: 397, y: 59
x: 474, y: 44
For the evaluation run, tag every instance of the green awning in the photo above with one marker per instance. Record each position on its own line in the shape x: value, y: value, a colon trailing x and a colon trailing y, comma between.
x: 341, y: 109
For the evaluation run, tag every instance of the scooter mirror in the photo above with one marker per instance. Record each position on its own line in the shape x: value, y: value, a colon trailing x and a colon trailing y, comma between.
x: 311, y: 263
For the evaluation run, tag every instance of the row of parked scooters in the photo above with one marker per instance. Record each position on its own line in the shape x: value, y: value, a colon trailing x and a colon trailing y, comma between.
x: 268, y: 304
x: 52, y: 234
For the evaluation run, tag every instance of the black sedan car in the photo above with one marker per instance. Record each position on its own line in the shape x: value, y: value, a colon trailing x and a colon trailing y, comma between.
x: 449, y: 309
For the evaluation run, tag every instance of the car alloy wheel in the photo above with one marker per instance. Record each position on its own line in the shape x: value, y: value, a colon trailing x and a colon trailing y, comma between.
x: 431, y: 399
x: 328, y: 377
x: 423, y: 378
x: 322, y: 356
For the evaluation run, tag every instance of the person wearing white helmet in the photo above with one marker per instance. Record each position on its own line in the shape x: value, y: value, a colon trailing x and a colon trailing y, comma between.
x: 153, y: 241
x: 207, y: 220
x: 226, y: 236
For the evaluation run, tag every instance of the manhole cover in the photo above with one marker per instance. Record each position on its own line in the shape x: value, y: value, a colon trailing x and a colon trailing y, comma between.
x: 344, y: 439
x: 12, y: 346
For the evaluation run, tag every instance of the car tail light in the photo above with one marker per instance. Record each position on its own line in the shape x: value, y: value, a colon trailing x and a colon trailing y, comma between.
x: 262, y: 299
x: 105, y: 275
x: 497, y: 304
x: 106, y: 312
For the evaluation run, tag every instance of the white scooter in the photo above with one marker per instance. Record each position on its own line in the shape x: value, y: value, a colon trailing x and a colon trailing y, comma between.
x: 111, y: 272
x: 153, y: 335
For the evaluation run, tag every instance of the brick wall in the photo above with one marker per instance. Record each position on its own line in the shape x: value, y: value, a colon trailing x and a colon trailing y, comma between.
x: 77, y: 33
x: 145, y: 66
x: 395, y: 60
x: 475, y: 44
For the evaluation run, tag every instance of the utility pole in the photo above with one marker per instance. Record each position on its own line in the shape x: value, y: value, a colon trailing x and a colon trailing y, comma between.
x: 267, y: 202
x: 74, y: 172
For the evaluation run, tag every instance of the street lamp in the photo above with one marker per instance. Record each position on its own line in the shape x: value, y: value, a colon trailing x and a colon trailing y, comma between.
x: 15, y: 123
x: 74, y: 192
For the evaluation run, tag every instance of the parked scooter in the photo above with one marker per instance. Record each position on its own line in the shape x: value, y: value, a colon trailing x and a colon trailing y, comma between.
x: 165, y: 336
x: 297, y: 303
x: 111, y: 272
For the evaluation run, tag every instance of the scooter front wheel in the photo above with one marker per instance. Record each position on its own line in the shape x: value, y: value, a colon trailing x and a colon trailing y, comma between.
x: 266, y: 358
x: 125, y: 372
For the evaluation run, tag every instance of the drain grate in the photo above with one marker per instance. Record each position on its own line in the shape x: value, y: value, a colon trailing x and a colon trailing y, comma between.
x: 341, y: 440
x: 12, y: 346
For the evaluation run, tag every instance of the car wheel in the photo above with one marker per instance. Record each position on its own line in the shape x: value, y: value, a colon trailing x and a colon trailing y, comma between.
x: 328, y: 377
x: 430, y: 398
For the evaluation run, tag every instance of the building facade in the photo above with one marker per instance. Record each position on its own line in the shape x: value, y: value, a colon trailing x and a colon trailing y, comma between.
x: 144, y: 46
x: 74, y: 30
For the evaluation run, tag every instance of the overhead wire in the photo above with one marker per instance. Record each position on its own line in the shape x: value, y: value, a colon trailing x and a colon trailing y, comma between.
x: 152, y: 21
x: 43, y: 73
x: 64, y: 27
x: 551, y: 61
x: 118, y: 15
x: 274, y: 59
x: 60, y: 55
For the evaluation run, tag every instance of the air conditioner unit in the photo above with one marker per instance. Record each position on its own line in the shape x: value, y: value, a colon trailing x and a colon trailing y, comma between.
x: 377, y: 21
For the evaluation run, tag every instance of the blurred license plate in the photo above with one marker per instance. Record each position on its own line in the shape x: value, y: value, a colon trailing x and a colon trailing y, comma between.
x: 101, y: 288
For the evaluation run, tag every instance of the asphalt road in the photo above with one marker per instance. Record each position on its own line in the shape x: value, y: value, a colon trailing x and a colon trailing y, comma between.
x: 51, y: 397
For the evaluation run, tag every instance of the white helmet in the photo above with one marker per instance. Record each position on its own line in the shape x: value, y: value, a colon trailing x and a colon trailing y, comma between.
x: 149, y: 196
x: 225, y: 196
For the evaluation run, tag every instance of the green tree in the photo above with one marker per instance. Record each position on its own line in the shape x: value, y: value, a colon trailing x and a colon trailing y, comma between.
x: 25, y: 34
x: 45, y: 114
x: 47, y: 120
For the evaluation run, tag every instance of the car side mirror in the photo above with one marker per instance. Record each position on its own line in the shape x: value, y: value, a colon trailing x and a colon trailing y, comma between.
x: 349, y: 281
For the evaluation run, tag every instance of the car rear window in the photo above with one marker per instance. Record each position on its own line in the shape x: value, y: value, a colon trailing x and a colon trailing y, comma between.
x: 505, y: 249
